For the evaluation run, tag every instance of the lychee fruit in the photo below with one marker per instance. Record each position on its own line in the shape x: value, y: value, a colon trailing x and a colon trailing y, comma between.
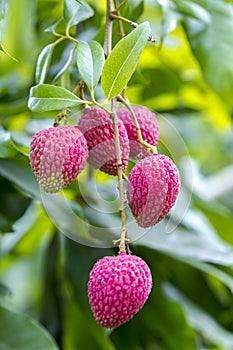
x: 57, y: 156
x: 118, y: 288
x: 97, y: 127
x: 148, y: 125
x: 152, y: 188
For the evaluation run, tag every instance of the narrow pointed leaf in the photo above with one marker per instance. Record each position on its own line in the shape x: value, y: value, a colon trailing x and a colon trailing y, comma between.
x: 43, y: 63
x: 90, y: 61
x: 47, y: 97
x: 122, y: 61
x: 75, y: 12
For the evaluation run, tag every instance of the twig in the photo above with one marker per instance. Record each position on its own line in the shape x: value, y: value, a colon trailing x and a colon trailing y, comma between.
x: 113, y: 15
x: 120, y: 24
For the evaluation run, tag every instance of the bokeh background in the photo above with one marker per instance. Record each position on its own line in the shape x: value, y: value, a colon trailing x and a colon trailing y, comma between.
x: 47, y: 251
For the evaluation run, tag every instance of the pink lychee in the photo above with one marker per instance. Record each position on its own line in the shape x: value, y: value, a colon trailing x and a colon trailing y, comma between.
x: 57, y: 156
x: 152, y: 189
x: 118, y: 288
x: 148, y: 125
x: 98, y: 130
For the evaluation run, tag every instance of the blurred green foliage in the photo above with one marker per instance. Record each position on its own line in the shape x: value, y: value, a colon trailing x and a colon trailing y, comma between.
x: 47, y: 252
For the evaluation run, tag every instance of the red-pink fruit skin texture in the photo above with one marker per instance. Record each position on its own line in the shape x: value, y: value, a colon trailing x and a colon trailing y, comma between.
x: 118, y: 288
x: 148, y: 125
x: 57, y: 156
x: 98, y: 130
x: 152, y: 189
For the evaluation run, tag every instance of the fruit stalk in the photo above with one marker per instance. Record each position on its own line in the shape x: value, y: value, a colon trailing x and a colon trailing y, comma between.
x: 108, y: 48
x: 153, y: 149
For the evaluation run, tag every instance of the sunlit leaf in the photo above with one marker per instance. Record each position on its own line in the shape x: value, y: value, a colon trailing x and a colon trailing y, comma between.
x: 47, y: 97
x: 90, y: 61
x: 122, y: 61
x: 27, y: 332
x: 212, y: 42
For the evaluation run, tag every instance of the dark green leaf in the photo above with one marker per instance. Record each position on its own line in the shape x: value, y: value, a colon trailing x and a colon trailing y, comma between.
x: 201, y: 321
x: 18, y: 331
x: 122, y: 61
x: 47, y: 97
x: 90, y: 60
x: 43, y: 63
x: 20, y: 228
x: 20, y: 175
x: 152, y: 334
x: 75, y: 12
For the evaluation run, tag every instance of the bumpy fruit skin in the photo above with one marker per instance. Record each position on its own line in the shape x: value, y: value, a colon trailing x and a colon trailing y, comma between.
x: 148, y: 126
x: 98, y: 130
x: 57, y: 156
x: 118, y: 288
x: 152, y: 188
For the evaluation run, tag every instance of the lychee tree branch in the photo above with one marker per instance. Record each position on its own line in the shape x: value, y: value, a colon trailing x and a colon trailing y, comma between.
x: 107, y: 49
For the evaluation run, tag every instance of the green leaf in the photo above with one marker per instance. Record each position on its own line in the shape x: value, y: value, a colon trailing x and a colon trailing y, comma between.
x: 200, y: 320
x: 90, y: 61
x: 7, y: 53
x: 193, y: 10
x: 20, y: 175
x: 65, y: 65
x: 122, y: 61
x: 75, y: 12
x: 20, y: 228
x: 7, y: 149
x: 47, y: 97
x: 197, y: 243
x: 43, y: 63
x: 18, y: 331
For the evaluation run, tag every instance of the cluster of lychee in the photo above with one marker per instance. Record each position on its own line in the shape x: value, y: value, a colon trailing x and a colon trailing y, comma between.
x: 60, y: 153
x: 118, y: 286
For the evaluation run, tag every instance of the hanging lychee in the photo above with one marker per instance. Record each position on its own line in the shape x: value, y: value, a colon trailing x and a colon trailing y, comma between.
x: 118, y: 288
x: 57, y: 156
x: 152, y: 188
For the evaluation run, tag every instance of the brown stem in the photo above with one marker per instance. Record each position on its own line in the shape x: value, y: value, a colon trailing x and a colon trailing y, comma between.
x: 108, y: 29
